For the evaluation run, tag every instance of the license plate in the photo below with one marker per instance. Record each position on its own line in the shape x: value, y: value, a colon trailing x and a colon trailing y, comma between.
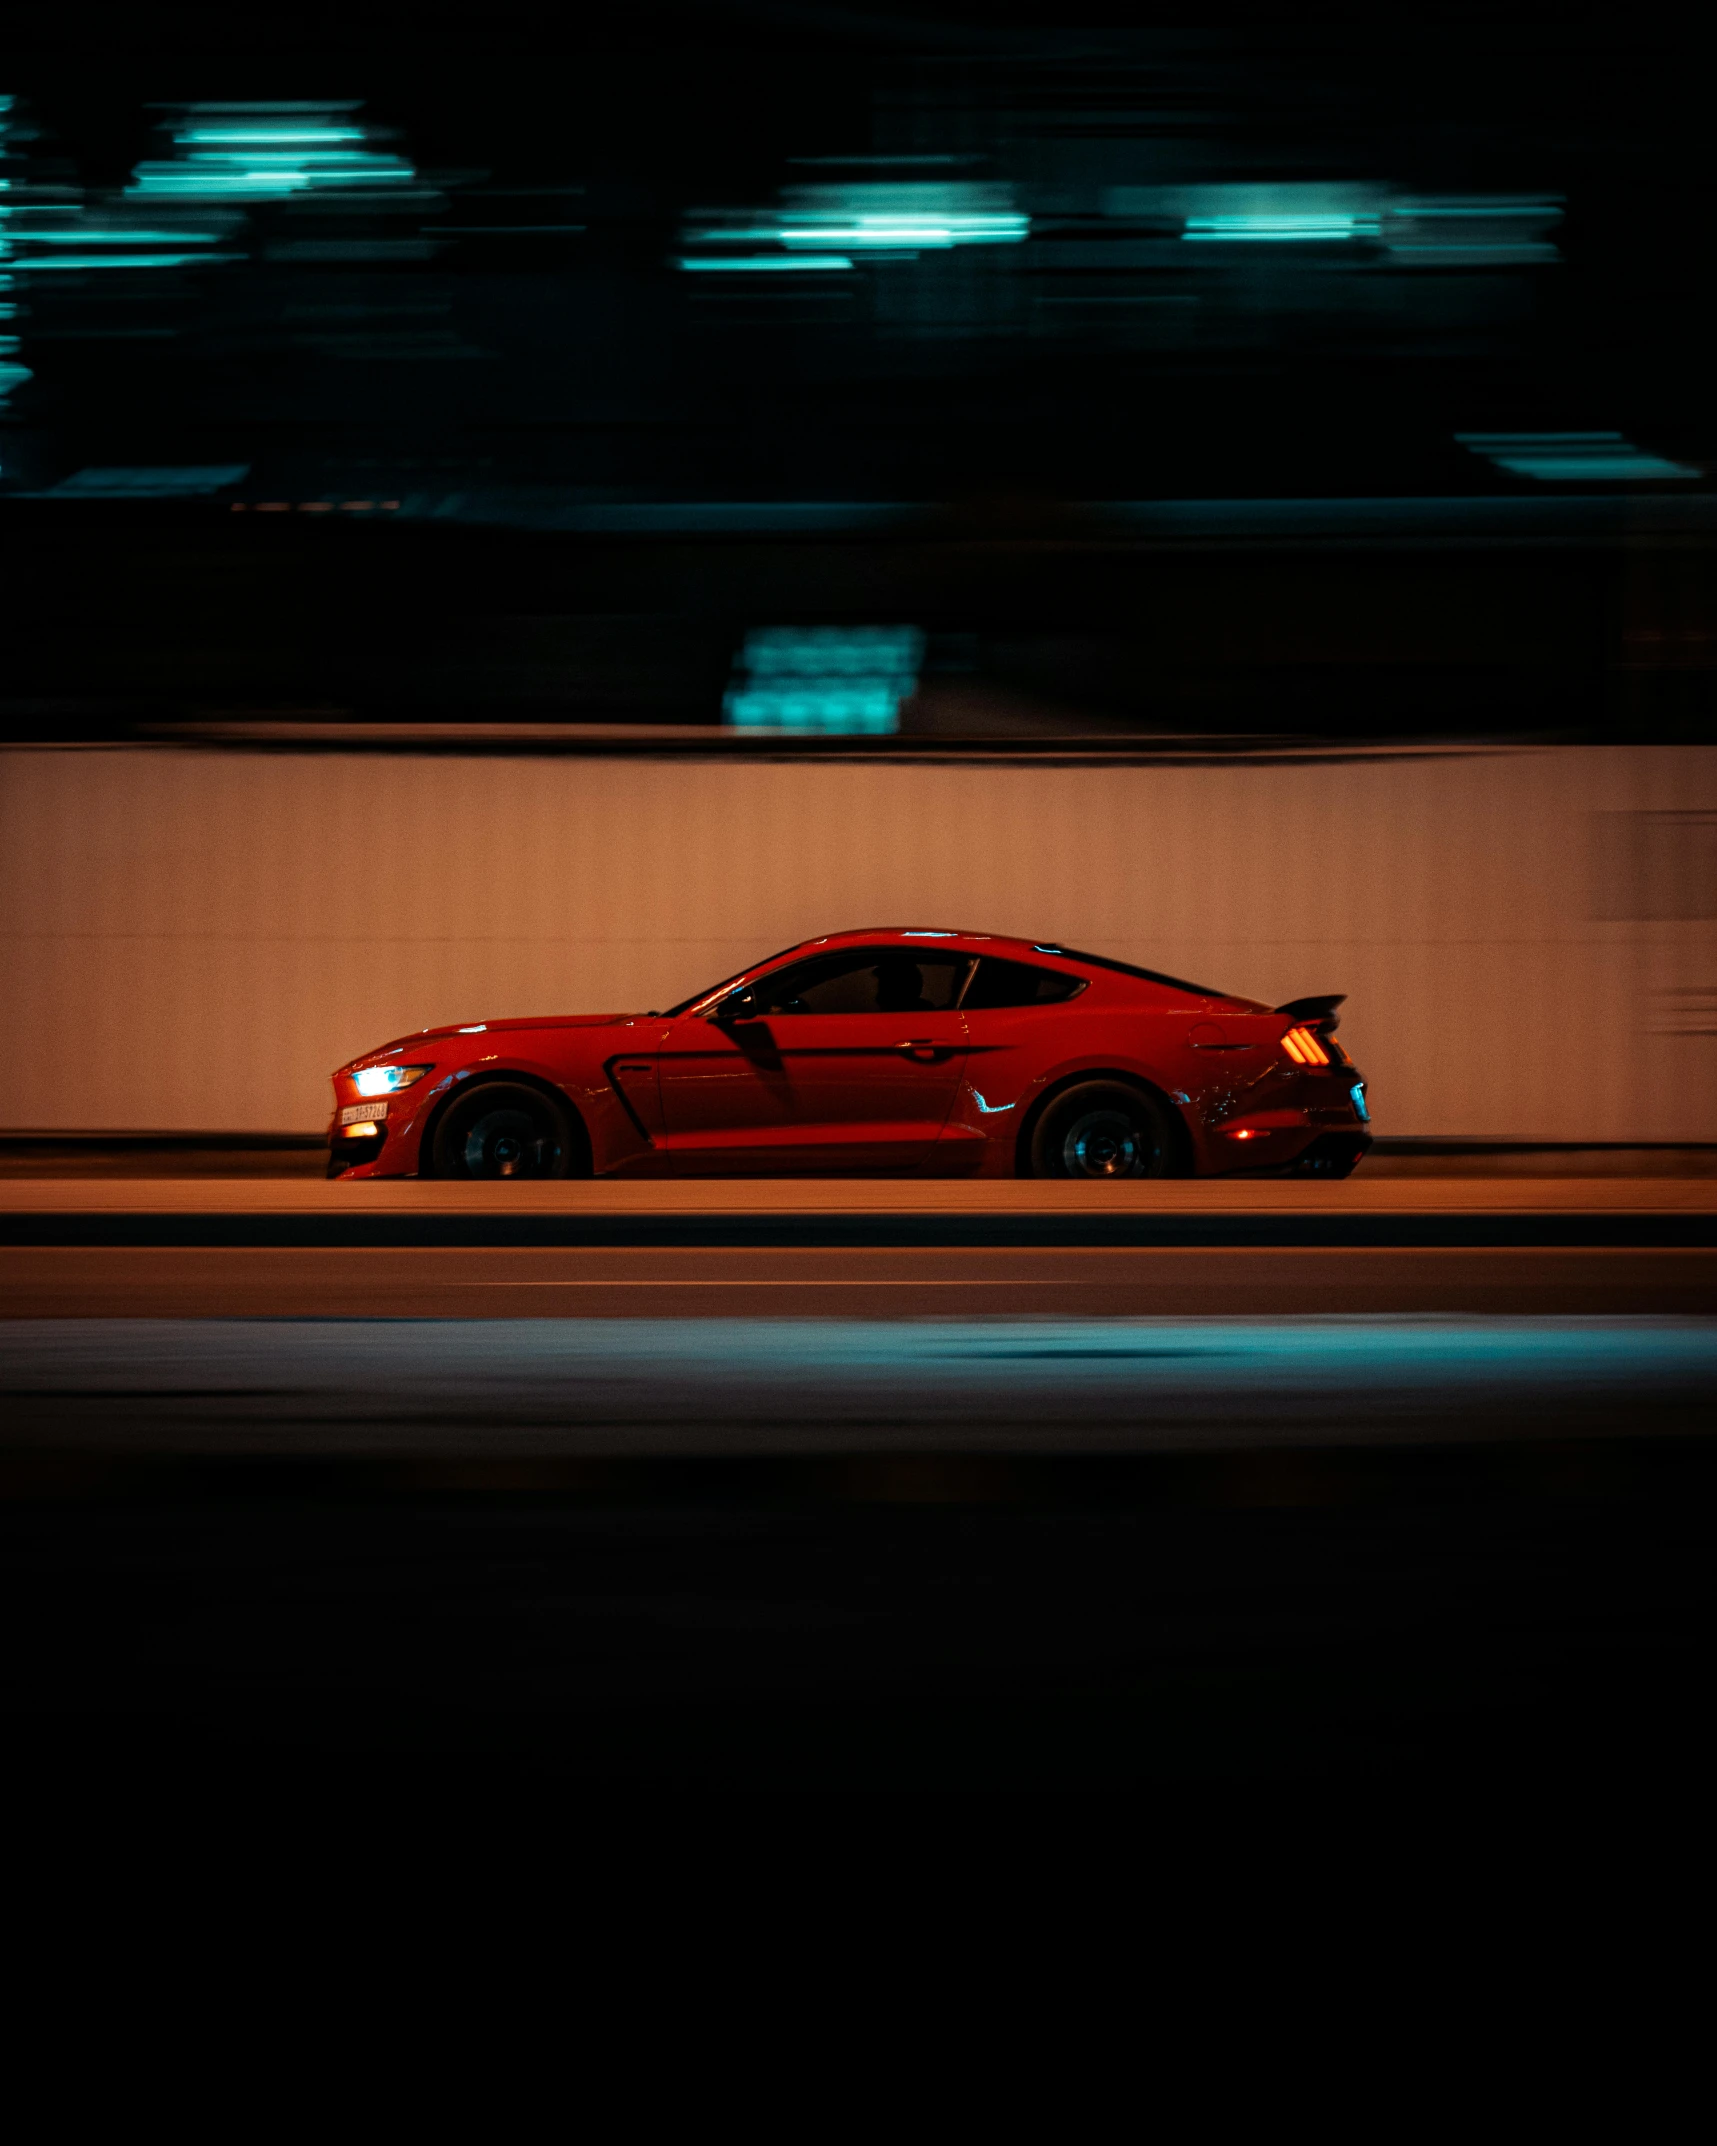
x: 361, y: 1113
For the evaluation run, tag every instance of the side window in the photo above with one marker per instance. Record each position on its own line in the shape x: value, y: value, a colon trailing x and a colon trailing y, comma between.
x: 1017, y: 983
x: 865, y: 980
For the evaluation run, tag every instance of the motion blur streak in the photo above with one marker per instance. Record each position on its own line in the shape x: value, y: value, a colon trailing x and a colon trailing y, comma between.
x: 259, y: 152
x: 826, y: 225
x: 1576, y: 458
x: 816, y: 1385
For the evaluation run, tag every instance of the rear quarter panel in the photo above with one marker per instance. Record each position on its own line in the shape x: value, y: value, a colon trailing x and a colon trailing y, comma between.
x: 1016, y: 1054
x: 1208, y: 1062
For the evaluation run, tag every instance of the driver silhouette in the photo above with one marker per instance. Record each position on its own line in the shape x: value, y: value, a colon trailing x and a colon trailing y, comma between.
x: 900, y: 987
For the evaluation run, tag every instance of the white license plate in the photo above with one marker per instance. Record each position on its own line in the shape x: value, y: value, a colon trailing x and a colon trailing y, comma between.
x: 362, y: 1113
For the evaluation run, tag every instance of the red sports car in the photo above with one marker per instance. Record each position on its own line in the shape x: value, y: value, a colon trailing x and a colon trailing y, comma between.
x: 922, y: 1053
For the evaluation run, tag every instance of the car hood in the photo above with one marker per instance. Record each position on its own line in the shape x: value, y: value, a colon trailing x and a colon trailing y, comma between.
x: 548, y: 1020
x: 474, y: 1029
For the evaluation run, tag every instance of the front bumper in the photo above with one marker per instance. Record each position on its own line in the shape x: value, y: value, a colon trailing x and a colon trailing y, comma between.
x: 351, y: 1146
x: 392, y: 1149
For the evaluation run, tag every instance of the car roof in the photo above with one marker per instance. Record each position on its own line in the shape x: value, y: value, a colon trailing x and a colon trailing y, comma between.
x: 927, y: 935
x: 924, y: 937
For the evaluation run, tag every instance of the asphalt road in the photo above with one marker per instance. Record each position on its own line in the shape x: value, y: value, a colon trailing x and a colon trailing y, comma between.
x: 795, y: 1216
x: 916, y: 1510
x: 891, y: 1282
x: 900, y: 1199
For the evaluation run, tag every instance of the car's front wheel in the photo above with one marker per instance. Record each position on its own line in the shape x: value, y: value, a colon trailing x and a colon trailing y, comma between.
x: 1101, y: 1129
x: 504, y: 1129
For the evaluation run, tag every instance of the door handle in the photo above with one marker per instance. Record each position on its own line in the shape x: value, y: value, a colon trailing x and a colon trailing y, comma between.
x: 921, y: 1047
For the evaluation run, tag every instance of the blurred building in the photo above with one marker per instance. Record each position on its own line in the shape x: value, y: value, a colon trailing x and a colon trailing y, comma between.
x: 1228, y: 377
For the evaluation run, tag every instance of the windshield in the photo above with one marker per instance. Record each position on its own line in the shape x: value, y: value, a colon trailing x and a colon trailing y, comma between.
x: 697, y: 998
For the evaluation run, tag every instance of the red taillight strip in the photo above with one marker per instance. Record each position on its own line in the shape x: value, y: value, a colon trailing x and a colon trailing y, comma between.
x: 1304, y: 1048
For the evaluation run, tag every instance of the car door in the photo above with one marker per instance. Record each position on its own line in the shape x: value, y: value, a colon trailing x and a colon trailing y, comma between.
x: 847, y: 1061
x: 1016, y: 1020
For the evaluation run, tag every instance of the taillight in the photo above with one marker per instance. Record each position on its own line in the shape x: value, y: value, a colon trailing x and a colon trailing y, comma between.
x: 1304, y: 1048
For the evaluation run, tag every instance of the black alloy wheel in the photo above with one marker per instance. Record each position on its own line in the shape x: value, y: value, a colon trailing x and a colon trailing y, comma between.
x: 1102, y: 1129
x: 504, y: 1130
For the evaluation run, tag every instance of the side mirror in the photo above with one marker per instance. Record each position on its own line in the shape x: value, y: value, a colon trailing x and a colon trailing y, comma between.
x: 742, y: 1006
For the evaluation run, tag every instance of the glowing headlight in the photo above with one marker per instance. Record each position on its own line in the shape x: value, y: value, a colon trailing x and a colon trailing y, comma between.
x: 386, y: 1080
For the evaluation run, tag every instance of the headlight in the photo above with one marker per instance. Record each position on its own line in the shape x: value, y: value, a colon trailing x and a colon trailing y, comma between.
x: 387, y: 1080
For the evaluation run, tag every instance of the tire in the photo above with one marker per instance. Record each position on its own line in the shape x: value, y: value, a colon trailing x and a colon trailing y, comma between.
x: 1103, y: 1130
x: 505, y: 1130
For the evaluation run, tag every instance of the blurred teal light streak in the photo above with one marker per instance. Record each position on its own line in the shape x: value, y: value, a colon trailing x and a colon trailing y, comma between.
x: 765, y: 263
x: 1576, y: 458
x: 81, y: 261
x: 1277, y: 230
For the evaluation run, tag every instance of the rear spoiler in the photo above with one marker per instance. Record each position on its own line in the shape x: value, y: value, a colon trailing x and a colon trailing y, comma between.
x: 1317, y: 1014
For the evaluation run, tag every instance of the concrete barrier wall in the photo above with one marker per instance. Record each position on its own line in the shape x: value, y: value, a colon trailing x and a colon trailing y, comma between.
x: 194, y: 938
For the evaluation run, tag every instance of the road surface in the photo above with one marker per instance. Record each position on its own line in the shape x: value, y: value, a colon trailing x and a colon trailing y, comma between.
x: 846, y: 1486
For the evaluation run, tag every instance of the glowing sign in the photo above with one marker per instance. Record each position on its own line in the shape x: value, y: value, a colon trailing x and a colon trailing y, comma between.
x: 830, y: 680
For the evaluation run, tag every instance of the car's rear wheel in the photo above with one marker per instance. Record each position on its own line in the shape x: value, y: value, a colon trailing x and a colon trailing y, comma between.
x: 1102, y: 1129
x: 504, y: 1130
